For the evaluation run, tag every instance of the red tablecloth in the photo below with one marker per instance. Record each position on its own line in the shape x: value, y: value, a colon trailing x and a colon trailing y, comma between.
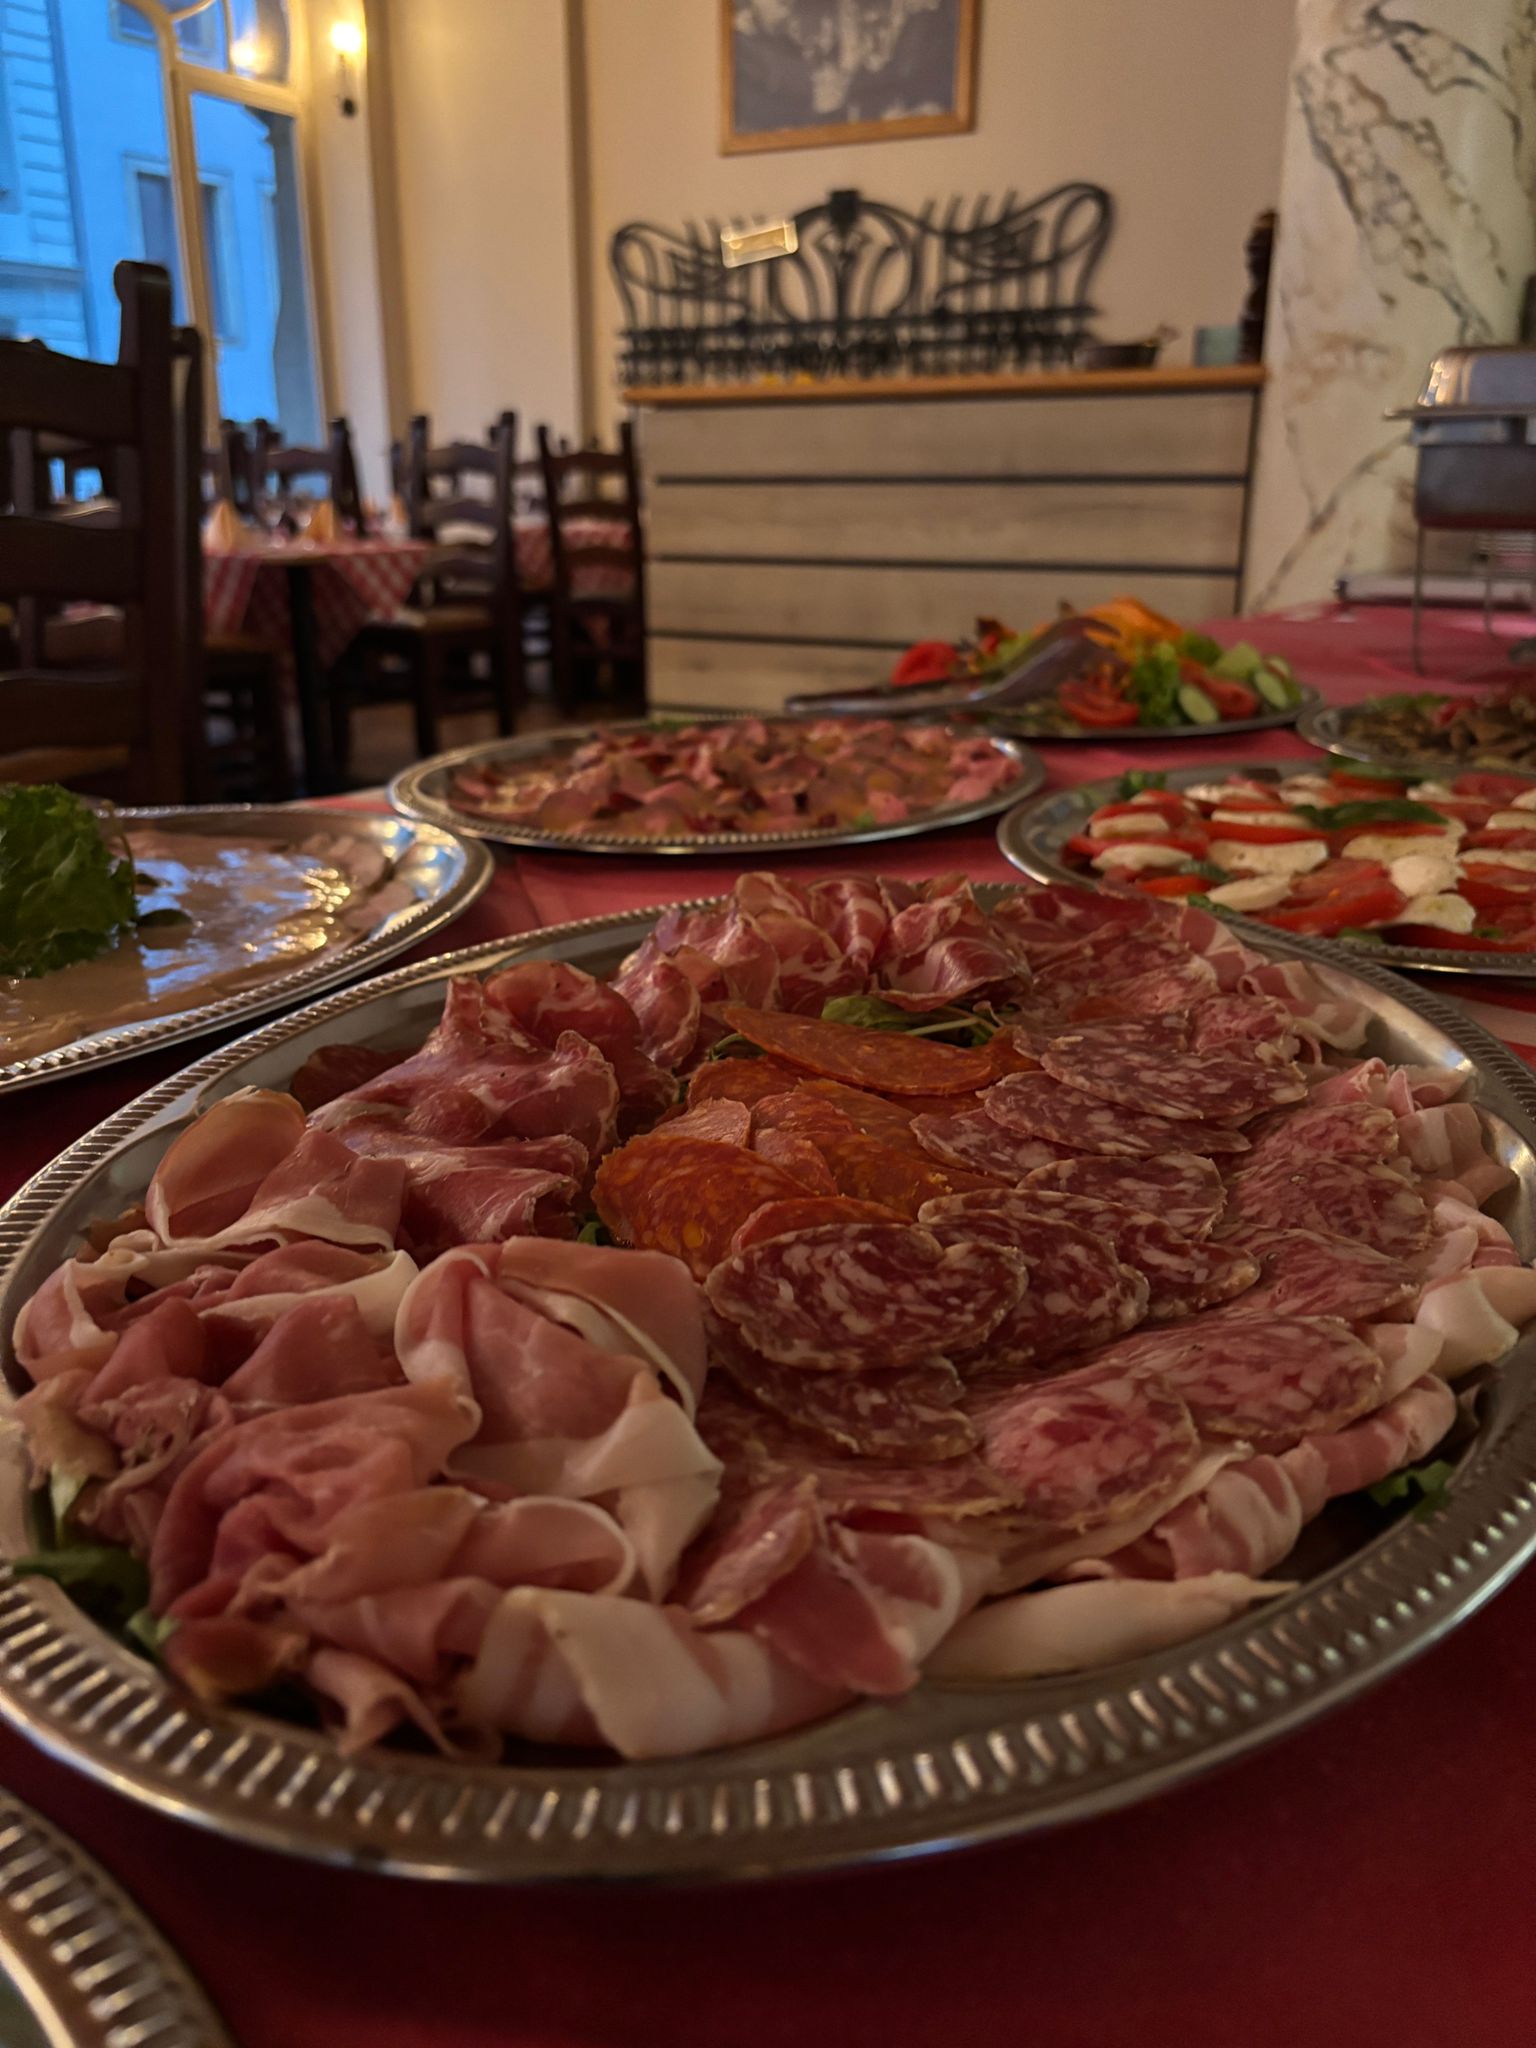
x: 1363, y: 1882
x: 536, y: 555
x: 245, y: 590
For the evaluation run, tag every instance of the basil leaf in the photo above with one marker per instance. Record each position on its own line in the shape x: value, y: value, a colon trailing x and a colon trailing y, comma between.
x: 1135, y: 780
x: 871, y: 1013
x: 1383, y: 810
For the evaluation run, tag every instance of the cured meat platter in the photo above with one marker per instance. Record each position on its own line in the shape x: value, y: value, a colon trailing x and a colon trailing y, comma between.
x: 1377, y: 845
x: 54, y: 1983
x: 653, y: 786
x: 419, y: 878
x: 962, y: 1758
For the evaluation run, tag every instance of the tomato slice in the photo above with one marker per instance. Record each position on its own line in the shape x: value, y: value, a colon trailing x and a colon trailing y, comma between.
x: 1461, y: 942
x: 1364, y: 904
x: 1494, y: 787
x: 1232, y: 699
x: 1492, y: 888
x: 1350, y: 787
x: 1172, y: 885
x: 1511, y: 841
x: 1263, y: 835
x: 1192, y: 842
x: 1163, y: 801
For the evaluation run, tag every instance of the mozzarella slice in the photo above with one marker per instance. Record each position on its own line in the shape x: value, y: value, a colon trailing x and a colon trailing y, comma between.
x: 1278, y: 816
x: 1496, y: 857
x: 1295, y: 857
x: 1128, y: 859
x: 1123, y: 827
x: 1223, y: 792
x: 1424, y: 874
x: 1525, y: 801
x: 1512, y: 821
x: 1433, y: 792
x: 1254, y: 892
x: 1390, y: 846
x: 1448, y: 913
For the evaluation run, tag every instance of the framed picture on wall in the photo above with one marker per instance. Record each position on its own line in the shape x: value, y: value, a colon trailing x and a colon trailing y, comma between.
x: 796, y: 73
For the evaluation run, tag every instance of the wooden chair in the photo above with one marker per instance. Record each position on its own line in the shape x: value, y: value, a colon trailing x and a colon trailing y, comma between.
x: 467, y: 606
x: 286, y: 473
x: 126, y: 730
x: 227, y: 470
x: 597, y: 604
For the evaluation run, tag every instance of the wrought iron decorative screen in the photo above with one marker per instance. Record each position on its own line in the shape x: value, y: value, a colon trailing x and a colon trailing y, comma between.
x: 872, y: 290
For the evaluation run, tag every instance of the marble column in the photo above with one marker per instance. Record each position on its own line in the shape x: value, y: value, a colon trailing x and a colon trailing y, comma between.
x: 1407, y: 223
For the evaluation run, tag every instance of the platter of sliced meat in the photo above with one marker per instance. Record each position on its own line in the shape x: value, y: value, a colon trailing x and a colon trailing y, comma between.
x: 720, y: 783
x: 767, y: 1384
x: 1411, y: 870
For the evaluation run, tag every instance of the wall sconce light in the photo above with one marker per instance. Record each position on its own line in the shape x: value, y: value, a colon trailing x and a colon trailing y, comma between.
x: 347, y: 43
x: 245, y: 55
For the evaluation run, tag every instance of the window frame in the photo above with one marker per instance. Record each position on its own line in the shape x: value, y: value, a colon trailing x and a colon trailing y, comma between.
x: 183, y: 79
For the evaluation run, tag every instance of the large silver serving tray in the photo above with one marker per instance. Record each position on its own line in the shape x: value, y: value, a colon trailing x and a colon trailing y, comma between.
x: 80, y: 1966
x: 949, y: 1765
x: 1327, y: 726
x: 424, y: 791
x: 1033, y: 835
x: 445, y: 872
x: 1307, y: 700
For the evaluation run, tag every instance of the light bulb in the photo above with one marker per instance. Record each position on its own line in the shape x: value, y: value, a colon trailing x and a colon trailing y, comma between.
x: 245, y: 54
x: 347, y: 38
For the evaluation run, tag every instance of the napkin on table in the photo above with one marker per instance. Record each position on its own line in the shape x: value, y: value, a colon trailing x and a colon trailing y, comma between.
x: 226, y: 531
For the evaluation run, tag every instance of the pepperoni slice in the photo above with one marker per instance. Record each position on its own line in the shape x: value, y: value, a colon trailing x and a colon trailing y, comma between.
x: 1080, y: 1452
x: 1183, y: 1274
x: 912, y: 1412
x: 1078, y: 1294
x: 1367, y: 1204
x: 861, y: 1167
x: 861, y: 1297
x: 1304, y: 1273
x: 1036, y: 1106
x: 745, y: 1081
x: 886, y: 1062
x: 807, y: 1212
x: 685, y: 1196
x: 1269, y: 1382
x: 1126, y: 1067
x: 1187, y: 1192
x: 798, y: 1157
x: 974, y: 1140
x: 720, y: 1122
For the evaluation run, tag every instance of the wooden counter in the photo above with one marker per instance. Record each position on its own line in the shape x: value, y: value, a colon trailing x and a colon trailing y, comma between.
x: 800, y: 534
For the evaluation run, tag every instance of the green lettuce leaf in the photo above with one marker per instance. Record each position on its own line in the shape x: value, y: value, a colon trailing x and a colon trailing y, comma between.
x: 1424, y: 1484
x: 1199, y: 647
x: 64, y: 896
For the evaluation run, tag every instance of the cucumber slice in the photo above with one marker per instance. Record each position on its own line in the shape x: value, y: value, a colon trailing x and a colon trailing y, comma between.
x: 1196, y: 706
x: 1238, y: 663
x: 1275, y: 690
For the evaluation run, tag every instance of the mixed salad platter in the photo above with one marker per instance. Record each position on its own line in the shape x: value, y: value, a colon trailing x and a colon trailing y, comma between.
x: 1496, y: 729
x: 1427, y: 873
x: 799, y: 1321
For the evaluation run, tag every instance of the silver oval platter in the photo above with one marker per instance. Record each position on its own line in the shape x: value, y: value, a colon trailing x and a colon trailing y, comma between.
x: 1034, y: 835
x: 947, y: 1765
x: 442, y: 872
x: 422, y: 791
x: 80, y: 1966
x: 1327, y: 726
x: 1308, y: 700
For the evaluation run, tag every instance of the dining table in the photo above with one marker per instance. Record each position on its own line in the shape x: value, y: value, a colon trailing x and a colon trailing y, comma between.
x: 1364, y: 1880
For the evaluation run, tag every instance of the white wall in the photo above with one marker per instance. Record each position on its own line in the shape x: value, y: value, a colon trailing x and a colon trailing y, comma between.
x: 482, y: 194
x: 1176, y: 106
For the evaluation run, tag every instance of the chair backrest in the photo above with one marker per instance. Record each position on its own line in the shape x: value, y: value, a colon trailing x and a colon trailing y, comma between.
x: 226, y: 469
x: 584, y: 485
x: 287, y: 472
x: 138, y: 417
x: 460, y: 498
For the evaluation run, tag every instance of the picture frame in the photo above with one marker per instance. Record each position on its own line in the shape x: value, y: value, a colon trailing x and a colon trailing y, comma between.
x: 781, y: 71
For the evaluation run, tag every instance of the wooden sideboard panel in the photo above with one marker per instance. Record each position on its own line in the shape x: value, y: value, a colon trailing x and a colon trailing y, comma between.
x: 741, y: 675
x: 1171, y: 434
x: 1122, y: 526
x: 891, y: 606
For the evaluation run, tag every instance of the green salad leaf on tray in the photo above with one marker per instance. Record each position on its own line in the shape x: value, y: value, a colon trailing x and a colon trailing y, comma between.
x: 64, y: 894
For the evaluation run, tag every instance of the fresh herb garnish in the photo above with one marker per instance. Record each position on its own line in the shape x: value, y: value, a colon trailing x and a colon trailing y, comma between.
x: 1382, y: 810
x: 1135, y: 780
x: 64, y: 895
x: 1152, y: 683
x: 1361, y: 935
x: 1426, y: 1482
x: 862, y: 821
x: 1199, y: 647
x: 593, y: 1231
x: 111, y: 1584
x: 1377, y: 771
x: 870, y: 1013
x: 1207, y: 870
x: 1203, y: 903
x: 734, y: 1047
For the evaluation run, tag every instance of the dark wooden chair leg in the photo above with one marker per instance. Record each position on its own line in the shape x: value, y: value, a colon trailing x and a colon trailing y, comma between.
x: 343, y: 690
x: 427, y: 673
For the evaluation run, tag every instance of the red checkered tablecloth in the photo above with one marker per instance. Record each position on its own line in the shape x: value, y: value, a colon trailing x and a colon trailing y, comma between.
x: 536, y: 561
x: 246, y: 590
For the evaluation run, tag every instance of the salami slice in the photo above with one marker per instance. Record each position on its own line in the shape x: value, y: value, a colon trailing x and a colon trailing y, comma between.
x: 976, y: 1141
x: 859, y: 1166
x: 1304, y: 1273
x: 876, y: 1116
x: 1369, y: 1205
x: 1081, y: 1452
x: 911, y: 1413
x: 1268, y: 1382
x: 1319, y: 1130
x: 887, y: 1062
x: 1131, y: 1067
x: 1183, y: 1274
x: 1187, y: 1192
x: 1170, y: 985
x: 860, y: 1297
x: 740, y: 1080
x: 1037, y: 1106
x: 1226, y: 1023
x: 765, y: 1448
x: 798, y: 1157
x: 685, y: 1196
x: 1078, y: 1294
x: 807, y: 1212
